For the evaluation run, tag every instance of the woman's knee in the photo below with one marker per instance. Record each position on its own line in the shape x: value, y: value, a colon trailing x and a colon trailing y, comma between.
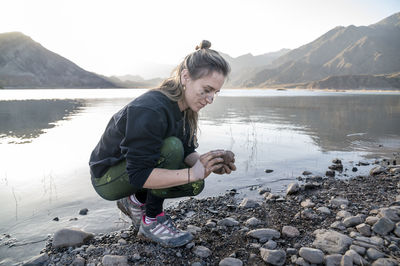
x: 171, y: 154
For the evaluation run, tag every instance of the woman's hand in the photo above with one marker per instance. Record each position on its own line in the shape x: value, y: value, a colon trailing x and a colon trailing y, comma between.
x: 208, y: 162
x: 228, y: 167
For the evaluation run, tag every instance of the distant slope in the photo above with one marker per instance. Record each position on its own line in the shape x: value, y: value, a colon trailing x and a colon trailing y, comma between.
x: 388, y: 81
x: 130, y: 81
x: 24, y: 63
x: 341, y: 51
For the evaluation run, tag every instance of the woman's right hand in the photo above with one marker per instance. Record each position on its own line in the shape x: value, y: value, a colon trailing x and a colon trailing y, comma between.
x: 207, y: 163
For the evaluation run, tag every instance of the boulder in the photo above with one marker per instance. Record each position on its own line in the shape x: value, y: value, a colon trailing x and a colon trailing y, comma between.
x: 390, y: 214
x: 68, y: 237
x: 385, y: 262
x: 274, y: 257
x: 331, y: 241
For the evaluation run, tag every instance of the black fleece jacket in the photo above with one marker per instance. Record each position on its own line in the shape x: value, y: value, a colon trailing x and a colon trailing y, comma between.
x: 136, y: 133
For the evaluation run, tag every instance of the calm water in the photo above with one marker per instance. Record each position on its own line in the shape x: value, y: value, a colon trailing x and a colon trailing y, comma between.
x: 46, y: 137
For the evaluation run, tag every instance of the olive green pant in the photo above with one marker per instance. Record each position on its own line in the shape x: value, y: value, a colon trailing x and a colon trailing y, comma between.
x: 114, y: 184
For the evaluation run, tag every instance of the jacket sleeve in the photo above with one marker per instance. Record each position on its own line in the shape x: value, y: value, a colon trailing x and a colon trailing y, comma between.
x: 144, y: 134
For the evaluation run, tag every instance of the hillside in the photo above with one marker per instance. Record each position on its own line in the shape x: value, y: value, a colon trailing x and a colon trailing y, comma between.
x: 367, y: 50
x: 25, y: 63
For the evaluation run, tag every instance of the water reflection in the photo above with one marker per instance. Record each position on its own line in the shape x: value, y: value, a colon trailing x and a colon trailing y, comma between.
x: 24, y: 120
x: 334, y: 123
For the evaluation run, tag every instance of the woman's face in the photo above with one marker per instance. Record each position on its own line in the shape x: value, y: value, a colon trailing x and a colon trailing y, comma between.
x: 200, y: 92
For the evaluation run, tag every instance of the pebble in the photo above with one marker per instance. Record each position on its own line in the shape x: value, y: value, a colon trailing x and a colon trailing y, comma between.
x: 193, y: 229
x: 324, y: 210
x: 352, y: 221
x: 312, y: 255
x: 253, y: 221
x: 307, y: 204
x: 248, y: 203
x: 358, y: 249
x: 292, y: 188
x: 56, y: 219
x: 364, y: 229
x: 271, y: 244
x: 230, y: 262
x: 357, y: 259
x: 307, y: 173
x: 346, y: 261
x: 291, y: 251
x: 78, y: 261
x: 228, y: 222
x: 371, y: 220
x: 338, y: 225
x: 330, y: 173
x: 385, y: 262
x: 377, y: 170
x: 202, y: 251
x: 264, y: 233
x: 83, y: 211
x: 390, y: 214
x: 339, y: 201
x: 290, y: 231
x: 274, y: 257
x: 211, y: 224
x: 122, y: 242
x: 114, y: 260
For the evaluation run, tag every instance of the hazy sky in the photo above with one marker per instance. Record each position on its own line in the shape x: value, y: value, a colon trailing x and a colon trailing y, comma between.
x: 123, y: 36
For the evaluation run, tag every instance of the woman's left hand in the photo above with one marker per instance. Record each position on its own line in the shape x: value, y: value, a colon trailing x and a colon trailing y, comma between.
x: 227, y: 168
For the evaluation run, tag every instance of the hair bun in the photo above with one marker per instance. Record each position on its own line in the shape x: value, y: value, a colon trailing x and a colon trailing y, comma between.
x: 203, y: 45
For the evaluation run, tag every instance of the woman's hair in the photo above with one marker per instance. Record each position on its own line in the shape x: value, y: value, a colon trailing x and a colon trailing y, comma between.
x: 200, y: 63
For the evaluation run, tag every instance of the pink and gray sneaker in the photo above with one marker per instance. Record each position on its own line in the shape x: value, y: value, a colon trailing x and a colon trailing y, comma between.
x: 164, y: 231
x: 132, y: 210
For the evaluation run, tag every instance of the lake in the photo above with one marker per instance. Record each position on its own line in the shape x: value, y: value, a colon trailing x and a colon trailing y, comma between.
x: 46, y: 137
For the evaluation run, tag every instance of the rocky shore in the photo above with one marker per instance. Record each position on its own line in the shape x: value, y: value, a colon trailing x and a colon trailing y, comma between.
x: 321, y: 220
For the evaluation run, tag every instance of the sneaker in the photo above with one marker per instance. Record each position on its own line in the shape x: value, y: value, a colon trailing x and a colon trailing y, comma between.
x: 132, y: 210
x: 164, y: 231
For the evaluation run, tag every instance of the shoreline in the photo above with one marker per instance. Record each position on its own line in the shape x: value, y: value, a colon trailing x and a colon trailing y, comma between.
x: 278, y: 229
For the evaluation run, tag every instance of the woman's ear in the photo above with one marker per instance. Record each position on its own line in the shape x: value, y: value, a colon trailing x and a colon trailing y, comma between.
x: 185, y: 76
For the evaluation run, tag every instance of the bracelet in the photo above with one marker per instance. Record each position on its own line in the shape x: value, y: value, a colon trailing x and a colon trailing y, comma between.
x: 188, y: 175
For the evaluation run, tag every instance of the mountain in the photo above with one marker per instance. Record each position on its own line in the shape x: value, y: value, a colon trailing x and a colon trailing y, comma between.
x: 364, y: 50
x: 25, y: 63
x: 244, y: 65
x: 134, y: 81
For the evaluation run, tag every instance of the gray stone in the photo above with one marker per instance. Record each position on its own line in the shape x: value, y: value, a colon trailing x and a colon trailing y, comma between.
x: 352, y: 221
x: 338, y: 225
x: 377, y: 170
x: 393, y: 247
x: 211, y: 224
x: 274, y: 257
x: 197, y: 263
x: 202, y: 251
x: 83, y: 211
x: 339, y: 201
x: 271, y: 244
x: 346, y: 261
x: 383, y: 226
x: 307, y: 204
x: 290, y: 231
x: 343, y: 214
x: 396, y: 230
x: 122, y: 242
x: 309, y: 214
x: 41, y: 259
x: 264, y: 233
x: 193, y: 229
x: 292, y: 188
x: 114, y: 260
x: 228, y: 222
x: 253, y: 221
x: 248, y: 203
x: 302, y: 262
x: 70, y: 237
x: 371, y: 220
x: 331, y: 241
x: 360, y: 250
x: 307, y: 173
x: 377, y: 241
x: 394, y: 170
x: 357, y: 259
x: 390, y: 214
x: 385, y: 262
x: 364, y: 229
x: 333, y: 260
x: 230, y: 262
x: 312, y: 255
x: 374, y: 254
x: 291, y: 251
x: 324, y: 210
x: 78, y: 261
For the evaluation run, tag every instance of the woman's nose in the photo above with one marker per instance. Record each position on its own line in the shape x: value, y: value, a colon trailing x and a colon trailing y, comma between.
x: 210, y: 98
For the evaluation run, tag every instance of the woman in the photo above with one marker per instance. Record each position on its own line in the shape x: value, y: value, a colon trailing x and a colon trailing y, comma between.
x: 147, y: 152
